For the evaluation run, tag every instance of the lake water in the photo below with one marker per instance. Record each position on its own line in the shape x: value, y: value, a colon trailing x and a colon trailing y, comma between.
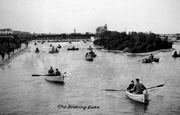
x: 84, y: 90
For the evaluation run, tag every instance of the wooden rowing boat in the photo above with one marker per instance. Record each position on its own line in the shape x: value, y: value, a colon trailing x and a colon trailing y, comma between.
x: 52, y: 52
x: 143, y: 98
x: 148, y: 60
x: 72, y: 49
x: 58, y: 79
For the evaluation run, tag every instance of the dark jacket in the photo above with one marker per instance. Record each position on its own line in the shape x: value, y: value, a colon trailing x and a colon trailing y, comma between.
x: 131, y: 86
x: 51, y: 72
x: 58, y: 73
x: 139, y: 88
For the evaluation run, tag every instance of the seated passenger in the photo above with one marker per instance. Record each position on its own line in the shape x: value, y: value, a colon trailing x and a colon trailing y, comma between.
x: 131, y: 86
x: 58, y: 73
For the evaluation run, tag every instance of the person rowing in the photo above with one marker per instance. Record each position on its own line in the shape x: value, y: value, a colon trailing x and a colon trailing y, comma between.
x: 151, y: 57
x: 138, y: 87
x: 51, y: 72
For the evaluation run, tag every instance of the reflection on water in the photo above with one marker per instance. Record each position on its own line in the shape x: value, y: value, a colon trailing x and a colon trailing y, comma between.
x: 20, y: 93
x: 139, y: 107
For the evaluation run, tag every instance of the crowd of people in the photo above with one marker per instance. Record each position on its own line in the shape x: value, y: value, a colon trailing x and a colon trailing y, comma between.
x: 9, y: 46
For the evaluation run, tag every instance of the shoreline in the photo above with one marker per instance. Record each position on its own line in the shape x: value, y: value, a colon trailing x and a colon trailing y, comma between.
x: 138, y: 54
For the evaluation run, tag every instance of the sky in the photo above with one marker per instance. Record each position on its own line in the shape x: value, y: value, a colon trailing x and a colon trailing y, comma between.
x: 63, y: 16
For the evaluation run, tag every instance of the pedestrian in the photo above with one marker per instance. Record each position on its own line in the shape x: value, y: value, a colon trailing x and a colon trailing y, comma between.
x: 2, y: 54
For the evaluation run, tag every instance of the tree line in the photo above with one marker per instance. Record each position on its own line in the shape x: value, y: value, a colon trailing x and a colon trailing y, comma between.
x: 132, y: 42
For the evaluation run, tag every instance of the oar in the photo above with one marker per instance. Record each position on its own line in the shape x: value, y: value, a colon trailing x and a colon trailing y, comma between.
x: 125, y: 90
x: 140, y: 60
x: 156, y: 86
x: 43, y: 75
x: 83, y: 58
x: 38, y: 75
x: 114, y: 90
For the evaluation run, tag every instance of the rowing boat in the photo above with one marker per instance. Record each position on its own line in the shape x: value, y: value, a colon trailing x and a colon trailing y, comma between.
x: 58, y: 79
x: 72, y: 49
x: 143, y: 98
x: 52, y: 52
x: 148, y: 60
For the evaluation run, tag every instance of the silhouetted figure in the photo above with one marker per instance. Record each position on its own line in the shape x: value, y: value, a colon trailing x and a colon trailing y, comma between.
x: 53, y: 48
x: 2, y: 54
x: 86, y: 54
x: 26, y: 43
x: 56, y: 50
x: 51, y: 72
x: 58, y: 73
x: 175, y: 53
x: 151, y: 57
x: 37, y: 50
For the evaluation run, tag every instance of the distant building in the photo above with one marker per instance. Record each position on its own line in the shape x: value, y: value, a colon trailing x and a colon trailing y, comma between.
x: 17, y: 32
x: 20, y: 32
x: 6, y: 31
x: 26, y: 33
x: 101, y: 29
